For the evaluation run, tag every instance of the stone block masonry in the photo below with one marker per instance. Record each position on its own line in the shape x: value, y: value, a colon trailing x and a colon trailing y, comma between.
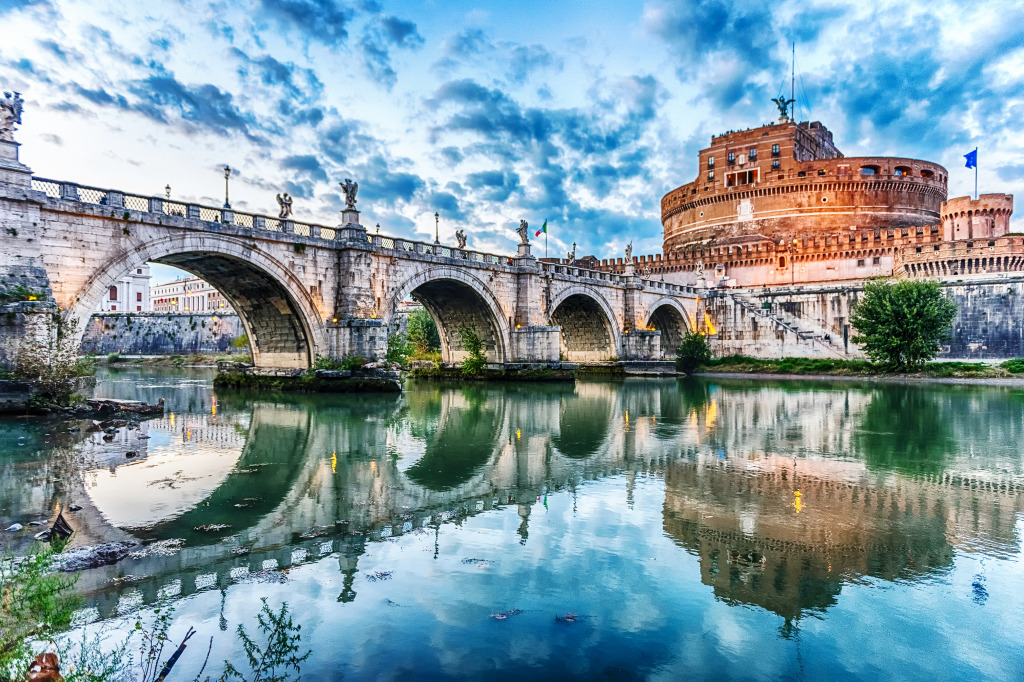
x: 160, y: 333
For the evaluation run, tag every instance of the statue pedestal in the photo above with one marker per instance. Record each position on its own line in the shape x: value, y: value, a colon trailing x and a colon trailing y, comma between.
x: 349, y: 216
x: 524, y: 250
x: 630, y: 268
x: 12, y: 171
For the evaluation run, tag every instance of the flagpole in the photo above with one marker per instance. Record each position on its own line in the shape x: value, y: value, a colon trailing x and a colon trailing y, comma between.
x: 975, y: 173
x: 546, y: 238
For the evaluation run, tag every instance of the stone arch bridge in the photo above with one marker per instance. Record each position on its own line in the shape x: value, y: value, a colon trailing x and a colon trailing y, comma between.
x: 305, y: 290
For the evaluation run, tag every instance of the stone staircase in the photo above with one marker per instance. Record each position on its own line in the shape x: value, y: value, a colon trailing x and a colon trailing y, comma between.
x: 803, y: 329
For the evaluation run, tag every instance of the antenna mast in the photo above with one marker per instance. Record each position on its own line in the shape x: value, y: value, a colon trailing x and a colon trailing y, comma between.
x: 792, y: 81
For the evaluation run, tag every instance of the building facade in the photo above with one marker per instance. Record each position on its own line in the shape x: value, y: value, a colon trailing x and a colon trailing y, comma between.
x: 129, y: 294
x: 189, y: 295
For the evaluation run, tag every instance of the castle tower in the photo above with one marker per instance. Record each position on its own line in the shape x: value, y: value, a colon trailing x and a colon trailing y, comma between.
x: 986, y: 217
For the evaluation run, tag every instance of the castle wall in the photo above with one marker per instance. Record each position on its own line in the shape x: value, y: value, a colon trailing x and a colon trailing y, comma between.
x: 985, y: 217
x: 815, y: 322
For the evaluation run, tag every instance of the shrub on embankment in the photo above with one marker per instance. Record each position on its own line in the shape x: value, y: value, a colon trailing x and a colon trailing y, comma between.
x: 739, y: 364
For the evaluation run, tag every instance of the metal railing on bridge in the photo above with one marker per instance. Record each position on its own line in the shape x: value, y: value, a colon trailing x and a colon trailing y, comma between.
x: 123, y: 201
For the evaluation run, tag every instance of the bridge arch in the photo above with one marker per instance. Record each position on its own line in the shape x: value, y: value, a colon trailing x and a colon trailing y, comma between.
x: 669, y: 317
x: 589, y: 329
x: 453, y: 298
x: 281, y: 319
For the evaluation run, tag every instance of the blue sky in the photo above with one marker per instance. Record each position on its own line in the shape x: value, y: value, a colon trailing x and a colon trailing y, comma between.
x: 580, y: 113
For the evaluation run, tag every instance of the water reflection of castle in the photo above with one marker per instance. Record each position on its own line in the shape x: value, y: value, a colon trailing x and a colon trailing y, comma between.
x: 733, y: 459
x: 784, y: 530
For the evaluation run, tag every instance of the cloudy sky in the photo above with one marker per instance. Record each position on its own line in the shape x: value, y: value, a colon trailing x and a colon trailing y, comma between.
x: 580, y: 113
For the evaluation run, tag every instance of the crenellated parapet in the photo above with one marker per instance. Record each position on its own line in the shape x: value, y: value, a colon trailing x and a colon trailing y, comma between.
x: 981, y: 218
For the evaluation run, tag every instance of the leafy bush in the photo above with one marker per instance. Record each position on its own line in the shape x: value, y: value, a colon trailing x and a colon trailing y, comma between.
x: 50, y: 359
x: 1015, y: 366
x: 113, y: 357
x: 399, y: 349
x: 901, y: 324
x: 20, y: 292
x: 273, y: 660
x: 422, y: 332
x: 36, y: 604
x: 476, y: 363
x: 693, y: 352
x: 241, y: 341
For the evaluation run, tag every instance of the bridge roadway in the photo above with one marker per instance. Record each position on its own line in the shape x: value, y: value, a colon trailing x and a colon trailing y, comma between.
x: 304, y: 290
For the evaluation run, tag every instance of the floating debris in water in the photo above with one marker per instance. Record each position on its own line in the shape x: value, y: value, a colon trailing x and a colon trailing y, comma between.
x: 379, y: 575
x: 241, y: 550
x: 505, y: 615
x: 15, y: 527
x: 569, y: 617
x: 128, y: 579
x: 978, y: 589
x: 207, y: 527
x: 479, y: 563
x: 395, y: 604
x: 168, y: 547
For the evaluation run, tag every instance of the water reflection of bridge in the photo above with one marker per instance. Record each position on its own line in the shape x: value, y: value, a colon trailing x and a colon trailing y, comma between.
x: 312, y: 481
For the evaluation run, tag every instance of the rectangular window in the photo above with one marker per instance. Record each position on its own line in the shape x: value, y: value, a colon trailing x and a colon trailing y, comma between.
x: 711, y: 162
x: 113, y: 307
x: 860, y: 263
x: 876, y: 261
x: 138, y: 296
x: 775, y: 150
x: 711, y: 175
x: 732, y: 157
x: 775, y: 164
x: 138, y: 308
x: 753, y: 154
x: 113, y: 293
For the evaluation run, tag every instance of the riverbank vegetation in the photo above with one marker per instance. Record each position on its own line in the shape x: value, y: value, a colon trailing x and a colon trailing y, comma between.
x: 739, y: 364
x: 50, y: 362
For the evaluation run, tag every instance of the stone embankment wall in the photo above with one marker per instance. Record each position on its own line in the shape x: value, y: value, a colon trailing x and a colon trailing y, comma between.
x: 815, y: 322
x: 160, y: 333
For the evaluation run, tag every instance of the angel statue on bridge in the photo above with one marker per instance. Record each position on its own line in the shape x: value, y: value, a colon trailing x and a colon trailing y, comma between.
x: 285, y: 203
x: 460, y: 237
x: 629, y: 251
x: 349, y: 188
x: 10, y: 114
x: 524, y: 232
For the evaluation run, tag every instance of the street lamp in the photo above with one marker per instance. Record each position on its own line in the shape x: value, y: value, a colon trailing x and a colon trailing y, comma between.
x: 437, y: 217
x: 378, y: 228
x: 227, y: 174
x: 167, y: 191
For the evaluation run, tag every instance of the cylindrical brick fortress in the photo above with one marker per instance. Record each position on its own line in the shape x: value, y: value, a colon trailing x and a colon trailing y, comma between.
x: 787, y: 181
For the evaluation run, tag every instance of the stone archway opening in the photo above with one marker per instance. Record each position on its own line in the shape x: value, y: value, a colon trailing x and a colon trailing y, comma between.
x: 586, y: 330
x: 453, y: 305
x: 672, y: 325
x: 278, y: 332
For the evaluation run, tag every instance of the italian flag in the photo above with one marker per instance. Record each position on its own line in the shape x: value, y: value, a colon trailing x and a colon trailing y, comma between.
x: 543, y: 229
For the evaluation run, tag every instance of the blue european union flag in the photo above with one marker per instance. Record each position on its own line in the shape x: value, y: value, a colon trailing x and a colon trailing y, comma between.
x: 972, y: 158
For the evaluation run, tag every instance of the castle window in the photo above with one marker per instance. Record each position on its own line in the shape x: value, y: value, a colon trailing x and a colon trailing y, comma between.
x: 869, y: 170
x: 876, y: 261
x: 711, y: 162
x: 802, y: 174
x: 732, y: 157
x: 901, y: 171
x: 775, y: 150
x: 927, y: 174
x: 775, y: 164
x: 753, y: 154
x: 860, y: 262
x: 821, y: 172
x: 711, y: 175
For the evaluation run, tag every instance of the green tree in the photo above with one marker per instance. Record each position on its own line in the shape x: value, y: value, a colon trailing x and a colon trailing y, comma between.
x: 901, y: 324
x: 693, y: 352
x: 399, y: 349
x: 477, y: 361
x: 422, y: 332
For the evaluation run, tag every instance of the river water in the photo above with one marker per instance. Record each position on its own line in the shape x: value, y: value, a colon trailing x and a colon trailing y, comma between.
x: 649, y: 529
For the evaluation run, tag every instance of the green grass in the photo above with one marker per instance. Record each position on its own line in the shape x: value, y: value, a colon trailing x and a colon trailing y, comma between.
x: 740, y: 364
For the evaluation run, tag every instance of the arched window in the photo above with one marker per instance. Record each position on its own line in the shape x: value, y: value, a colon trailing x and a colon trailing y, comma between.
x: 113, y: 293
x: 869, y: 170
x: 782, y: 261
